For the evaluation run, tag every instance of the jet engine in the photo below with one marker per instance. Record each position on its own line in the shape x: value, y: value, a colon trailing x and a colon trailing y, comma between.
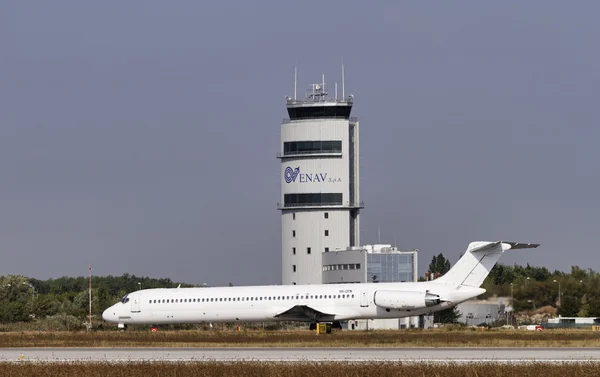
x: 405, y: 300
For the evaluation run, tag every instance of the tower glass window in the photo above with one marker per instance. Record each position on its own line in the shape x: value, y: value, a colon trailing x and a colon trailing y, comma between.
x: 297, y: 200
x: 312, y: 147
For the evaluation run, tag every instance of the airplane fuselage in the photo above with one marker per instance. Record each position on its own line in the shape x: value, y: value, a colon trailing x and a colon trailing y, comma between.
x: 332, y: 302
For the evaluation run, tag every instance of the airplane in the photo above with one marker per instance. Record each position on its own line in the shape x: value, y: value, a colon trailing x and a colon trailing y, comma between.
x: 313, y: 303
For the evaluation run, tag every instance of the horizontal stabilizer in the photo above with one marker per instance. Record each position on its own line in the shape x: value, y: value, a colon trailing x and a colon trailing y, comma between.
x: 519, y: 245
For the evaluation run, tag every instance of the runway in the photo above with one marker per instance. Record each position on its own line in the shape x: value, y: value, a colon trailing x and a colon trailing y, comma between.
x: 457, y: 355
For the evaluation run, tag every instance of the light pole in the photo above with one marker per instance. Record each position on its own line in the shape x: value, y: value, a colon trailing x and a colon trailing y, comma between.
x: 512, y: 302
x: 558, y: 301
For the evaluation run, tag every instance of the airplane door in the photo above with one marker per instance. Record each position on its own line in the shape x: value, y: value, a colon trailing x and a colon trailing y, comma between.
x: 364, y: 299
x: 135, y: 303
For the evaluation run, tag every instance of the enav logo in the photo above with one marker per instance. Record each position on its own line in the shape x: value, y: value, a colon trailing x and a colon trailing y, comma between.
x: 291, y: 175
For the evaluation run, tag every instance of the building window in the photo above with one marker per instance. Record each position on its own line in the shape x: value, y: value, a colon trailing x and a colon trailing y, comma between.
x: 308, y: 250
x: 326, y: 214
x: 326, y: 232
x: 294, y: 250
x: 294, y: 268
x: 293, y: 233
x: 326, y: 249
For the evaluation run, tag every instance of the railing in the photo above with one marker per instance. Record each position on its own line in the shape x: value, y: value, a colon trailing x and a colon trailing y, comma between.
x: 351, y: 119
x: 319, y: 205
x: 316, y: 99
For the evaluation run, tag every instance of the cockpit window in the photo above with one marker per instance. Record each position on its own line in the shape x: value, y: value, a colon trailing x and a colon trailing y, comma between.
x: 125, y: 299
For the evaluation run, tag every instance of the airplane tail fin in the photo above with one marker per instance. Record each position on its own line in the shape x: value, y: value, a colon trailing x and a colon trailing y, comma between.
x: 477, y: 262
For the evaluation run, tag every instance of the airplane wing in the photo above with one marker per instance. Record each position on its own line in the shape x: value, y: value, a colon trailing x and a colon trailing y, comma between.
x: 305, y: 313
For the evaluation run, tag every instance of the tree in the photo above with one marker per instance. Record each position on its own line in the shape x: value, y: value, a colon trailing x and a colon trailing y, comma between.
x: 439, y: 264
x: 570, y: 306
x: 103, y: 300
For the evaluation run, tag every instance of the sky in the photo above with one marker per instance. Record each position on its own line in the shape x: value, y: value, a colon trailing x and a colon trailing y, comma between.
x: 140, y: 137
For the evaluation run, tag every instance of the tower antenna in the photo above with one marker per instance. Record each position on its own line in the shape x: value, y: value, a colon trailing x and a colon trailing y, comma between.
x: 295, y: 80
x: 343, y: 89
x: 336, y: 97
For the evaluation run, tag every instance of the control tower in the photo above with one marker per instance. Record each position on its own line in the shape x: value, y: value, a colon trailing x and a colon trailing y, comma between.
x: 320, y: 199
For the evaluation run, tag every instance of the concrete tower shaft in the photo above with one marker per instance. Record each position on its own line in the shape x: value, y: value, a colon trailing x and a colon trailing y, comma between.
x: 320, y: 199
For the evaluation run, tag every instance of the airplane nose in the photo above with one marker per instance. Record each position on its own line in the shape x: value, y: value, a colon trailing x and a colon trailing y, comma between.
x: 106, y: 315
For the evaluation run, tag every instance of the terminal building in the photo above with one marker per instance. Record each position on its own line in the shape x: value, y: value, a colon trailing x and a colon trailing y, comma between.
x: 373, y: 264
x: 476, y: 312
x: 320, y: 200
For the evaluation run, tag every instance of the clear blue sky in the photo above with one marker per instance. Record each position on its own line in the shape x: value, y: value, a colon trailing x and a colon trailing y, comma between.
x: 141, y: 136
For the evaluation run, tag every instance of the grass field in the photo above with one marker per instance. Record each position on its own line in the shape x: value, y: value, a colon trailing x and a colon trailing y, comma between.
x: 255, y: 369
x: 305, y: 338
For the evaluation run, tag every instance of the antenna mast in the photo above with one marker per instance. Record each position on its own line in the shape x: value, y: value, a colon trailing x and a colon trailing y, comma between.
x: 295, y: 80
x: 343, y: 89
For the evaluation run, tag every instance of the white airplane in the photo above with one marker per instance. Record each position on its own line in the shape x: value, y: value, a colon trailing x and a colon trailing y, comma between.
x: 313, y: 303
